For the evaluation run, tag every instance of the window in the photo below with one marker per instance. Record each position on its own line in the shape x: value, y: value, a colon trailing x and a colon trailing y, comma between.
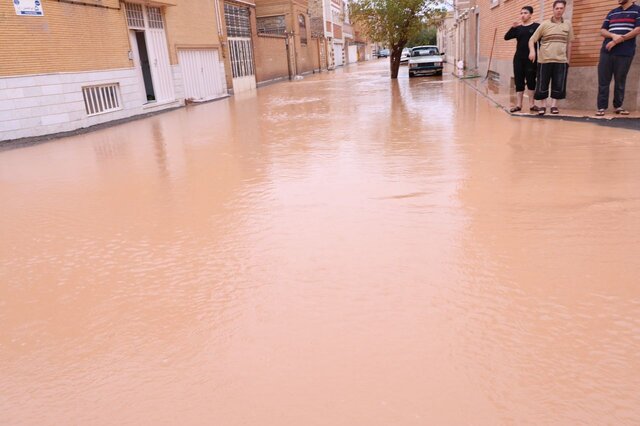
x: 428, y: 51
x: 237, y: 21
x: 100, y: 99
x: 155, y: 17
x: 135, y: 17
x: 302, y: 23
x: 272, y: 25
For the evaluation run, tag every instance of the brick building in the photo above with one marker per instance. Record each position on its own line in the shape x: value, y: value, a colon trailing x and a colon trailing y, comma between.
x: 475, y: 22
x: 290, y: 18
x: 85, y: 63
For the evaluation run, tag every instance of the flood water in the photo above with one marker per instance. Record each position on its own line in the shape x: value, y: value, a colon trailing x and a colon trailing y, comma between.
x: 341, y: 250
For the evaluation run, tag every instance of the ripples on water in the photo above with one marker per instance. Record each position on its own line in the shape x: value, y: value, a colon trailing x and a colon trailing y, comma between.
x: 338, y: 250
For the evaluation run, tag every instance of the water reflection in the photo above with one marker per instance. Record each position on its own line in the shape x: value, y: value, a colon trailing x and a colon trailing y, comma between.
x: 338, y: 250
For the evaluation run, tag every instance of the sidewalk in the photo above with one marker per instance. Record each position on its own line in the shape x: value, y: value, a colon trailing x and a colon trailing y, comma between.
x: 504, y: 97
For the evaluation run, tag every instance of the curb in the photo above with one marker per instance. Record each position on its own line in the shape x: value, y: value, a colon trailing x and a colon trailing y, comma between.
x: 631, y: 123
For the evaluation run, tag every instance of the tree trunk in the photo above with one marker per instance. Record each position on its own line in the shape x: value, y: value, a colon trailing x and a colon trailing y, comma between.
x: 394, y: 63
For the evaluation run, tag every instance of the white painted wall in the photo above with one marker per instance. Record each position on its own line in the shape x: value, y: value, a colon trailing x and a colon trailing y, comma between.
x: 37, y: 105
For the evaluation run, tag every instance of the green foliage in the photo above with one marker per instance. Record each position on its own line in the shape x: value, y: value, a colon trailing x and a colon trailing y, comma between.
x: 426, y: 36
x: 395, y: 22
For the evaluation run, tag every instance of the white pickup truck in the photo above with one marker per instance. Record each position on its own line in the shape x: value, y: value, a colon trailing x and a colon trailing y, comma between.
x: 425, y: 60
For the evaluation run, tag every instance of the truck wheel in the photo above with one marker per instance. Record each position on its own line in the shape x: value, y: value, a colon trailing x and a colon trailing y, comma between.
x: 411, y: 74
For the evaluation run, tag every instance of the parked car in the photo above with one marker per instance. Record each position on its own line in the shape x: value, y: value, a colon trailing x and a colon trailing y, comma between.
x: 425, y: 60
x: 383, y: 53
x: 406, y: 53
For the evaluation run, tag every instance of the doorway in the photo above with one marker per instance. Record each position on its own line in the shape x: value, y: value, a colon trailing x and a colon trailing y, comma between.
x: 150, y: 52
x: 240, y: 47
x: 143, y: 54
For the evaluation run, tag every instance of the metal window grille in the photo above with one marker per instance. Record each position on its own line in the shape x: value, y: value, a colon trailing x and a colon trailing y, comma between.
x: 135, y: 15
x: 241, y: 57
x: 271, y: 25
x: 101, y: 99
x: 154, y: 14
x: 237, y: 21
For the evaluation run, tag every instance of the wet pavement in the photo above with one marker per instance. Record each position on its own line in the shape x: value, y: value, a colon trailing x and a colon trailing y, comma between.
x: 504, y: 96
x: 341, y: 250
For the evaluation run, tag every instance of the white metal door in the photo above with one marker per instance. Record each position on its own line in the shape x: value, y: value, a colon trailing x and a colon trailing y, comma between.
x: 353, y: 54
x: 337, y: 54
x: 240, y: 47
x: 241, y: 51
x: 137, y: 63
x: 203, y: 74
x: 160, y: 65
x: 149, y: 20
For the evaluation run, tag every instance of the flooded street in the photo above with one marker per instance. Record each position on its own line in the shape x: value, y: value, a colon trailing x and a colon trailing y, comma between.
x: 340, y: 250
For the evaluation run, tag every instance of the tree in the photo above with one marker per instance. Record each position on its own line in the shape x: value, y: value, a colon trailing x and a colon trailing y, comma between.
x: 394, y: 22
x: 426, y: 36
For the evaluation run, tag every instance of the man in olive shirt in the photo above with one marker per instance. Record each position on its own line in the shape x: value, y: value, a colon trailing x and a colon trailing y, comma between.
x: 555, y: 37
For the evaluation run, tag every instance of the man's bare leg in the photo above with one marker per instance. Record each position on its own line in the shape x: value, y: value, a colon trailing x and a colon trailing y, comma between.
x: 532, y: 101
x: 519, y: 98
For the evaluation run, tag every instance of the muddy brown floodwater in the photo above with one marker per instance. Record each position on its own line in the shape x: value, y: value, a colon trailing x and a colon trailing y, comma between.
x: 341, y: 250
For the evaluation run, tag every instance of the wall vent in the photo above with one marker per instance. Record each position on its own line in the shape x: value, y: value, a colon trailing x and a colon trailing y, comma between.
x: 101, y: 99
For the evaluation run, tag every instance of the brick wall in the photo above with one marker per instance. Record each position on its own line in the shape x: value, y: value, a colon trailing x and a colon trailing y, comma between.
x: 67, y: 38
x: 588, y: 16
x: 501, y: 18
x: 585, y: 15
x: 337, y: 31
x: 192, y: 23
x: 271, y: 58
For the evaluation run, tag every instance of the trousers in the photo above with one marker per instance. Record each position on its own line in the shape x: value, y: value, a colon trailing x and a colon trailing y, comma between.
x: 612, y: 66
x: 556, y: 74
x: 524, y: 71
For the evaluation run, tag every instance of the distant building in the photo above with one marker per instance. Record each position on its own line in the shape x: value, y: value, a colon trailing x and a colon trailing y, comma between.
x: 470, y: 38
x: 447, y: 38
x: 289, y: 19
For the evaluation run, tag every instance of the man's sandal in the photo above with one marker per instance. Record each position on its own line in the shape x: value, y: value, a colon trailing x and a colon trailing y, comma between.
x: 534, y: 108
x: 515, y: 109
x: 600, y: 113
x: 555, y: 110
x: 542, y: 111
x: 622, y: 111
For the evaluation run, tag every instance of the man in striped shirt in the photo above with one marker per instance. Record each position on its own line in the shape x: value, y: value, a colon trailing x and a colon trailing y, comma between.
x: 619, y: 29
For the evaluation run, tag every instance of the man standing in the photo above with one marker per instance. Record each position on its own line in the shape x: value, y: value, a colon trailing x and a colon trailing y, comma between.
x: 524, y: 71
x: 555, y: 38
x: 619, y: 29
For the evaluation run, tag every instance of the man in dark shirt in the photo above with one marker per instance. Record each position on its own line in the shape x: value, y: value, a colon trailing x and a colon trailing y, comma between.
x: 619, y: 29
x: 524, y: 71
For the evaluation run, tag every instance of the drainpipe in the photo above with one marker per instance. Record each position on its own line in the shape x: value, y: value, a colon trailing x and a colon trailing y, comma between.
x: 319, y: 57
x: 541, y: 11
x: 218, y: 20
x: 286, y: 42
